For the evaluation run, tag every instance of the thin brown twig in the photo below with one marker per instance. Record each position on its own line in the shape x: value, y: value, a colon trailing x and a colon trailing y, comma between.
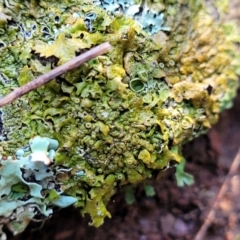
x: 39, y: 81
x: 232, y: 171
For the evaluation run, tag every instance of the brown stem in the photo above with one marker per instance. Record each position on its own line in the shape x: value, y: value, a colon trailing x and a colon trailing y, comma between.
x: 208, y: 220
x: 39, y: 81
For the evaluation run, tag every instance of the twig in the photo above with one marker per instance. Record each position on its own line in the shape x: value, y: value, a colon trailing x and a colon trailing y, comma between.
x: 39, y: 81
x: 211, y: 214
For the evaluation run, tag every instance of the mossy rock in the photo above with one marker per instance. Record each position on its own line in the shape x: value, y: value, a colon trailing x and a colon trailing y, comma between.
x: 123, y: 115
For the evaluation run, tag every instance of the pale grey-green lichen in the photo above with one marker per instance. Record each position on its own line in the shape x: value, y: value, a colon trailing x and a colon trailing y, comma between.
x: 149, y: 15
x: 29, y: 188
x: 120, y: 117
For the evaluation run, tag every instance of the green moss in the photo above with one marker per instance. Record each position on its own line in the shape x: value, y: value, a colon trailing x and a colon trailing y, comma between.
x: 120, y: 116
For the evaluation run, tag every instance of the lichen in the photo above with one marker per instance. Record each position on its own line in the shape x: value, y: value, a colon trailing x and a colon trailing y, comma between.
x: 120, y: 116
x: 149, y: 15
x: 29, y: 188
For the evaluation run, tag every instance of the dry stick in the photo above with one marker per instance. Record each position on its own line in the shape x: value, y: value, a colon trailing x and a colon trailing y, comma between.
x: 73, y: 63
x: 233, y: 171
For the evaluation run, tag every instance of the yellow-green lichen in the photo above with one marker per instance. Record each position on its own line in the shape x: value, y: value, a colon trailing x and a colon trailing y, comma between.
x: 120, y: 116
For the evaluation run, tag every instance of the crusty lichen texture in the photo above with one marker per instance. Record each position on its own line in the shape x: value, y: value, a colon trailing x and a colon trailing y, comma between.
x: 125, y: 114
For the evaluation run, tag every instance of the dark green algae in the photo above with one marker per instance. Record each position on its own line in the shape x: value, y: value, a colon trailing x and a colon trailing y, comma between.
x: 125, y: 114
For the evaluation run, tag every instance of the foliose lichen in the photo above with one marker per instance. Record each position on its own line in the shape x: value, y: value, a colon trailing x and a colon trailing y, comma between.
x: 120, y: 117
x: 30, y: 189
x: 149, y: 15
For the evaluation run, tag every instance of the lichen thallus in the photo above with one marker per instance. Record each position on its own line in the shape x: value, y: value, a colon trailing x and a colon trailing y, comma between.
x: 41, y: 80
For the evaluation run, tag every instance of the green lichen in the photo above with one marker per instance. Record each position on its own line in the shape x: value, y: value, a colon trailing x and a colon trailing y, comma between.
x: 120, y: 116
x: 29, y: 188
x: 149, y: 15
